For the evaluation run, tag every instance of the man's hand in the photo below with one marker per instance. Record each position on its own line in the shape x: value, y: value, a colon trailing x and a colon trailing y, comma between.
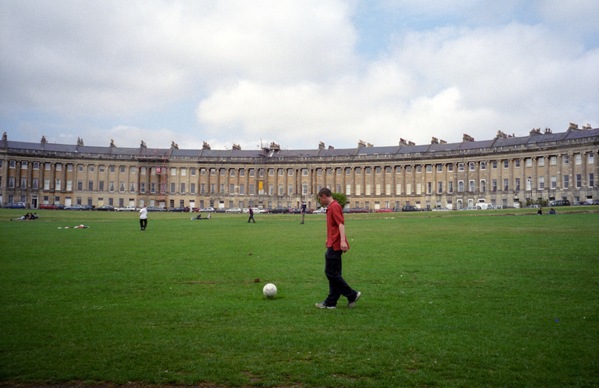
x: 344, y: 246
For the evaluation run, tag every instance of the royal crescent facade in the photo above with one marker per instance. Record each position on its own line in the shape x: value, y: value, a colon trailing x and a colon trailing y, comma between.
x: 506, y: 171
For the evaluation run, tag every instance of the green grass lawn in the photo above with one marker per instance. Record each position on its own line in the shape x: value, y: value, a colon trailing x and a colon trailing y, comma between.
x: 496, y: 298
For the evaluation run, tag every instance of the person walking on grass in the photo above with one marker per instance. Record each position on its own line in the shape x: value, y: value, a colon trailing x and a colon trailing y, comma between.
x: 251, y: 216
x: 336, y: 244
x: 303, y: 212
x: 143, y: 217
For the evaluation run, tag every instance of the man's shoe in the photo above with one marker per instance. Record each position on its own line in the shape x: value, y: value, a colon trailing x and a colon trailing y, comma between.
x: 353, y: 303
x: 324, y: 306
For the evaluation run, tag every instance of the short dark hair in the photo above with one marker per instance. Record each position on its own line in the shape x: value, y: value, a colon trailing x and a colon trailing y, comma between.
x: 325, y: 191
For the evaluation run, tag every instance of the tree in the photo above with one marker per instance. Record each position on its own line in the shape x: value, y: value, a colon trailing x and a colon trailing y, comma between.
x: 339, y: 197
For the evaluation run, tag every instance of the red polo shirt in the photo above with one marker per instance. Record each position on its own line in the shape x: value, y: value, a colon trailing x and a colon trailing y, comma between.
x: 334, y: 219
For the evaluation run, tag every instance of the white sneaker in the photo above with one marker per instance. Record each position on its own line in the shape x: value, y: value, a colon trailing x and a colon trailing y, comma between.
x: 353, y: 303
x: 324, y: 306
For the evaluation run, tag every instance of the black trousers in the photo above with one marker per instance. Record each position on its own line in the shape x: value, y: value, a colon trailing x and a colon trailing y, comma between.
x: 143, y: 222
x: 337, y: 285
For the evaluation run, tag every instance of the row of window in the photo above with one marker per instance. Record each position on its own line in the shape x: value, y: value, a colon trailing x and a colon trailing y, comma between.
x: 182, y: 171
x: 162, y: 188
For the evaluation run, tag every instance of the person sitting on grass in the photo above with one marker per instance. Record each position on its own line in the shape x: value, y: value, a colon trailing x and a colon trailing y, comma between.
x: 28, y: 216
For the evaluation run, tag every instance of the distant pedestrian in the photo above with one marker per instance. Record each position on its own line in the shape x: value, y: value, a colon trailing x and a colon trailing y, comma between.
x: 143, y: 217
x: 303, y: 212
x: 251, y: 216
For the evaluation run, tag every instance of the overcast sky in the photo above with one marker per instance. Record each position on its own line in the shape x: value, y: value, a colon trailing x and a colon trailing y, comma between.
x: 294, y: 72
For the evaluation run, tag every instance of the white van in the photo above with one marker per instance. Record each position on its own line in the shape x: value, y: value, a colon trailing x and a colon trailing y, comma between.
x: 484, y: 206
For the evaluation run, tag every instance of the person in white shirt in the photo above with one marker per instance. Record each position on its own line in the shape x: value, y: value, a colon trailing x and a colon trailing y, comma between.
x: 143, y: 217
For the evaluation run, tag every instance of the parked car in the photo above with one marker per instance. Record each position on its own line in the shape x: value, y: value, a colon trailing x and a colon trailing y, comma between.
x: 126, y: 209
x: 15, y: 205
x: 255, y: 209
x: 76, y: 207
x: 178, y: 209
x: 384, y: 210
x: 560, y: 202
x: 155, y: 209
x: 299, y: 211
x: 207, y: 210
x: 279, y: 210
x: 355, y: 210
x: 233, y: 210
x: 320, y: 210
x: 410, y: 208
x: 105, y: 208
x: 51, y: 206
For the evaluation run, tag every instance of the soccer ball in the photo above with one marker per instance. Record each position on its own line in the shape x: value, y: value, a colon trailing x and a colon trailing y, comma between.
x: 269, y: 290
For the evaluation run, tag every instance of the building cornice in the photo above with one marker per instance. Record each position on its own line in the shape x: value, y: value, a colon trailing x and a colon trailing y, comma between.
x: 501, y: 145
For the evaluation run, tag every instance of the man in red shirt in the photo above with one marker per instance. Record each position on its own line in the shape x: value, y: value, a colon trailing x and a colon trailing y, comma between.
x: 336, y: 244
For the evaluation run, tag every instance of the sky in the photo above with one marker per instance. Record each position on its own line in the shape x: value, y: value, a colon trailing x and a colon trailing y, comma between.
x: 294, y: 72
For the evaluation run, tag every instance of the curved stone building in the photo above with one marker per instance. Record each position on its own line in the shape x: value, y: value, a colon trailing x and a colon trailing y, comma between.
x: 506, y: 171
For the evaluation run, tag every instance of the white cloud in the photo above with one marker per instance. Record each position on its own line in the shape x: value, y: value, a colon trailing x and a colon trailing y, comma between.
x: 440, y: 83
x: 290, y: 71
x: 124, y: 136
x: 84, y: 59
x: 111, y: 58
x: 573, y: 17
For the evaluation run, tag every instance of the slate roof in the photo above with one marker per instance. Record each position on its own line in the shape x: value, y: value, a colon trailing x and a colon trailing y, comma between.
x: 534, y: 139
